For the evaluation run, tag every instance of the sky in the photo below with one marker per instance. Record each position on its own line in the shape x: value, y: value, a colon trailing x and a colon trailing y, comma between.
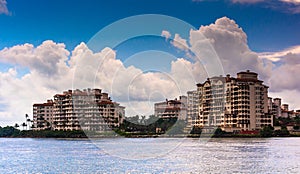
x: 47, y: 47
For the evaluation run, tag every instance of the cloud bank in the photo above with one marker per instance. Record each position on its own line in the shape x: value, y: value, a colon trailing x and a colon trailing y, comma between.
x: 53, y: 69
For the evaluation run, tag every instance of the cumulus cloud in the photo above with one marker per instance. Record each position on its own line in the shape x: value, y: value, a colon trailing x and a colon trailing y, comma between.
x: 177, y: 42
x: 288, y: 65
x: 230, y: 44
x: 48, y: 74
x: 180, y: 43
x: 166, y: 34
x: 3, y: 7
x: 53, y: 69
x: 47, y: 59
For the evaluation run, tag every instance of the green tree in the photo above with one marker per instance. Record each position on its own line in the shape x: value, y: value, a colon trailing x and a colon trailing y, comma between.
x: 267, y: 131
x: 9, y: 131
x: 196, y: 130
x: 283, y: 132
x: 151, y: 119
x: 296, y: 127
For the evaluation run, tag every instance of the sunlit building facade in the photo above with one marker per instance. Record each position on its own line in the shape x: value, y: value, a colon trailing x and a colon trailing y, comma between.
x: 43, y: 115
x: 89, y: 109
x: 193, y: 107
x: 234, y: 104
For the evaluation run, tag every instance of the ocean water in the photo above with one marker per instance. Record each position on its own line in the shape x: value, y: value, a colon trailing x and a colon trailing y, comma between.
x: 150, y: 155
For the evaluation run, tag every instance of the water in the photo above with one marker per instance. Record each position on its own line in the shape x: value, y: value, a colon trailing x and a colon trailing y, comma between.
x: 274, y: 155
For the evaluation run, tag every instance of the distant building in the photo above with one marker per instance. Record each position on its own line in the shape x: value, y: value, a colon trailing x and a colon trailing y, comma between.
x: 285, y: 107
x: 234, y: 103
x: 172, y: 108
x: 89, y: 109
x: 297, y: 113
x: 288, y: 114
x: 277, y: 107
x: 281, y: 110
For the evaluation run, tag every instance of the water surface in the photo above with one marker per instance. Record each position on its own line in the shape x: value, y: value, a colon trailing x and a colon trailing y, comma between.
x: 274, y: 155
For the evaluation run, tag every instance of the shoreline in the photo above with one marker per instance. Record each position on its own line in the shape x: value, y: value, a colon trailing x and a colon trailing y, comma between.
x: 11, y: 132
x: 85, y: 137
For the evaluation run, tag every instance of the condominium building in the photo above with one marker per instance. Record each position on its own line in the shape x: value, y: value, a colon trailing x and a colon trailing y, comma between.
x: 277, y: 107
x: 172, y: 108
x: 192, y: 107
x: 211, y: 102
x: 43, y: 115
x: 89, y: 109
x: 281, y: 110
x: 234, y: 104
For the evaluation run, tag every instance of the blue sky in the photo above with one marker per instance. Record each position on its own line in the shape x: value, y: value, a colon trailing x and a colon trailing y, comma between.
x: 72, y: 22
x: 34, y: 65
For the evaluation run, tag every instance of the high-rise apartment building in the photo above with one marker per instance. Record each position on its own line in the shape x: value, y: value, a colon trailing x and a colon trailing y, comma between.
x: 89, y: 109
x: 234, y: 104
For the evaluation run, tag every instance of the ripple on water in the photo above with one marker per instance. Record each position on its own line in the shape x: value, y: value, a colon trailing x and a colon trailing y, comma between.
x: 274, y: 155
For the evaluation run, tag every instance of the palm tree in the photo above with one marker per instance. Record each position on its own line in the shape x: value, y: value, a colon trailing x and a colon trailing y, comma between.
x: 142, y: 121
x: 16, y: 126
x: 24, y: 125
x: 26, y: 117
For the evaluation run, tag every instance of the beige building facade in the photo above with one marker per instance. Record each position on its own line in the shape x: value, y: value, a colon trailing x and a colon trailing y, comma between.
x: 43, y: 115
x: 234, y: 104
x: 172, y: 108
x: 89, y: 109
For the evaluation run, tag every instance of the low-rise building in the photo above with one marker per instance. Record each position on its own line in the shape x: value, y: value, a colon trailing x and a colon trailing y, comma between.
x: 172, y: 108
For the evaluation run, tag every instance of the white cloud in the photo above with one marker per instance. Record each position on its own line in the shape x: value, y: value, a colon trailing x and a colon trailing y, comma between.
x: 277, y: 56
x: 284, y: 76
x: 47, y: 59
x: 296, y: 2
x: 51, y: 72
x: 48, y: 75
x: 288, y: 65
x: 180, y: 43
x: 177, y: 42
x: 3, y: 7
x: 246, y: 1
x: 166, y: 34
x: 53, y: 69
x: 230, y: 43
